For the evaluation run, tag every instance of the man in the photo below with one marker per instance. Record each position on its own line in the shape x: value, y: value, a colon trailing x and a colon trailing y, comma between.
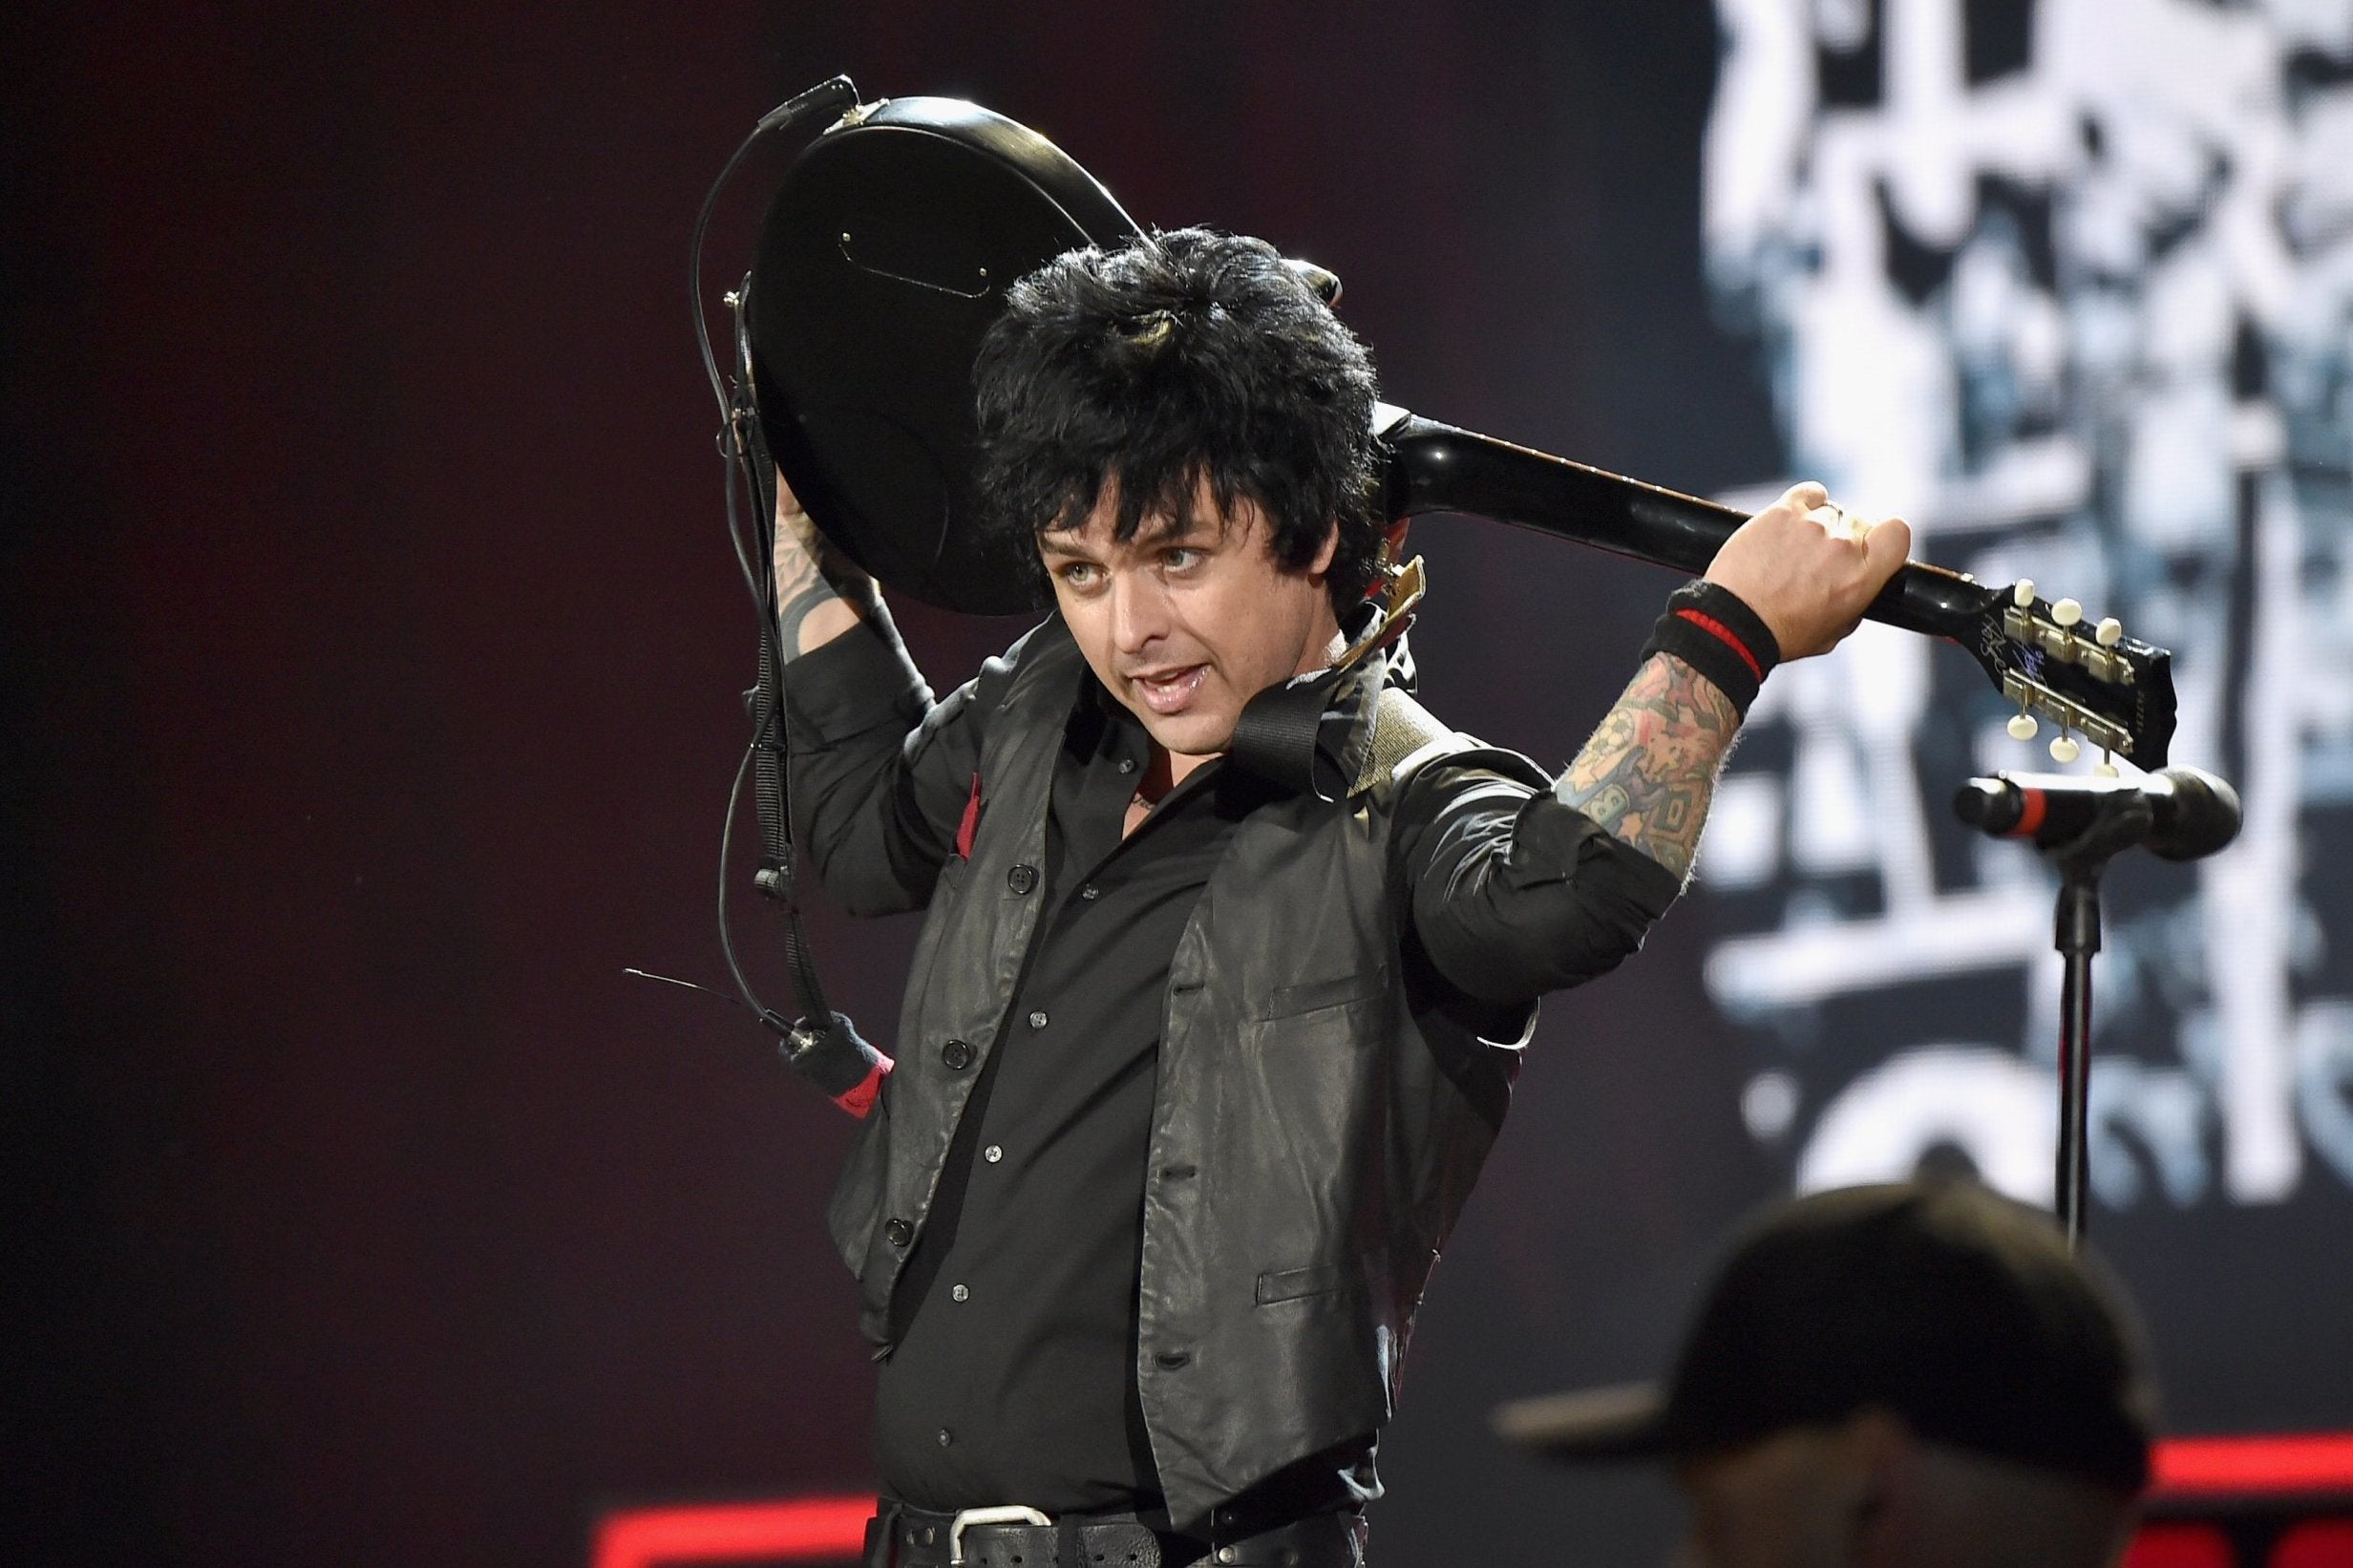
x: 1915, y: 1375
x: 1230, y: 946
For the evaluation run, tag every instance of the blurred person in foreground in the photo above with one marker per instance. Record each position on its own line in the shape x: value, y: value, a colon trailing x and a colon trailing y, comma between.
x: 1917, y: 1374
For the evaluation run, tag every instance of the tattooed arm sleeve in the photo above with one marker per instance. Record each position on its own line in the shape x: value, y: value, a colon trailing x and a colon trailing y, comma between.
x: 820, y: 595
x: 1520, y: 890
x: 1649, y: 771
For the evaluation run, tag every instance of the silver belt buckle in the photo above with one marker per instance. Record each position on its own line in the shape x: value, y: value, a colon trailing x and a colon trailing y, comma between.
x: 1009, y: 1514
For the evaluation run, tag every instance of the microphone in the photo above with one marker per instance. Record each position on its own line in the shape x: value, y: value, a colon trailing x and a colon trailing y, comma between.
x: 2191, y: 813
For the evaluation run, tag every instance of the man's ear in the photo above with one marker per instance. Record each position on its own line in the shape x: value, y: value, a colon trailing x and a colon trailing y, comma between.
x: 1883, y: 1455
x: 1322, y: 564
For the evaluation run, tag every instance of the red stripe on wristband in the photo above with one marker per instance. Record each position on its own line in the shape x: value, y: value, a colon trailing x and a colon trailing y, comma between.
x: 860, y: 1100
x: 1724, y: 634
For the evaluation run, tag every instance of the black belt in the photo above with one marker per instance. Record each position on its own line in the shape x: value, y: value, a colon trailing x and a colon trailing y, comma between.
x: 903, y: 1536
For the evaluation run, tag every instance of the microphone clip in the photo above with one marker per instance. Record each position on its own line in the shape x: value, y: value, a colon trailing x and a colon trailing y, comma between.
x: 2119, y: 821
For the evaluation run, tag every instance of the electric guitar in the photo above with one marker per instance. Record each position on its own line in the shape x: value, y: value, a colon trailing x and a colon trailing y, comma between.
x: 884, y: 257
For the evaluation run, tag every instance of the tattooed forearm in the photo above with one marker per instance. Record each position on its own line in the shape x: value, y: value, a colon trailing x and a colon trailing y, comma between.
x: 810, y: 609
x: 1647, y: 774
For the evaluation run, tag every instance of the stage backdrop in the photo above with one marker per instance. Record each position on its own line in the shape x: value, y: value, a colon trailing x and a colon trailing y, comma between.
x: 372, y: 651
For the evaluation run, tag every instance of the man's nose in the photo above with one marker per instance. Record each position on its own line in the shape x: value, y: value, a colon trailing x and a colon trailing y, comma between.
x: 1139, y: 610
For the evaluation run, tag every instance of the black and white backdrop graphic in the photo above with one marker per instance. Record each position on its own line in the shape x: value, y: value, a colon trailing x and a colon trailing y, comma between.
x: 2073, y: 288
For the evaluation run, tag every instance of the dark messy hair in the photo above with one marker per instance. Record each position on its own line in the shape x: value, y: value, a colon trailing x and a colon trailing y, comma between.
x: 1186, y: 356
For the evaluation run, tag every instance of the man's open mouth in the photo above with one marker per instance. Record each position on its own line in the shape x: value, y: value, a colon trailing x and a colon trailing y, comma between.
x: 1170, y: 691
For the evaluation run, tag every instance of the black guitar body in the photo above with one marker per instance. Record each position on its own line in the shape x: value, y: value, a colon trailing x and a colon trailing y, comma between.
x: 884, y: 256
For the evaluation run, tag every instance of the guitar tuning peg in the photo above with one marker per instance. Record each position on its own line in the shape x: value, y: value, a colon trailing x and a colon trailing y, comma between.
x: 2022, y: 727
x: 2109, y: 632
x: 2066, y: 612
x: 2064, y: 749
x: 2023, y: 595
x: 2106, y: 767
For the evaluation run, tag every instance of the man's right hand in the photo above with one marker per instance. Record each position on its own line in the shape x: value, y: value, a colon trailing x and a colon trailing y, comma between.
x: 1810, y: 569
x: 809, y: 611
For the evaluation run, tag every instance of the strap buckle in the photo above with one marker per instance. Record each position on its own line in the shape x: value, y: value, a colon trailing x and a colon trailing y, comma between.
x: 1009, y: 1514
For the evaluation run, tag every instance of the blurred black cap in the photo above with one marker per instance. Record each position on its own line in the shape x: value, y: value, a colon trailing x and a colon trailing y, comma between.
x: 1957, y: 1309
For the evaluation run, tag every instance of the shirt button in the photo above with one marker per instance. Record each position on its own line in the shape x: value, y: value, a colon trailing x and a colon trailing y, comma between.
x: 993, y: 1154
x: 899, y: 1233
x: 1022, y: 878
x: 1127, y: 765
x: 961, y: 1293
x: 946, y: 1437
x: 1038, y: 1020
x: 957, y: 1055
x: 1091, y: 893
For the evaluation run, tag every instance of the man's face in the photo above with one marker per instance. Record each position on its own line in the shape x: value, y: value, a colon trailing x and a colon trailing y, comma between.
x: 1785, y: 1501
x: 1191, y: 618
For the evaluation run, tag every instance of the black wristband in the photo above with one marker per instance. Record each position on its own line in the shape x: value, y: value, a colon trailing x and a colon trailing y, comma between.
x: 1710, y: 629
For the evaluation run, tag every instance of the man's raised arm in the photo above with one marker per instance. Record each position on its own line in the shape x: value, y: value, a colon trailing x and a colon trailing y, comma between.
x: 1649, y: 772
x: 810, y: 609
x: 1515, y: 896
x: 881, y: 774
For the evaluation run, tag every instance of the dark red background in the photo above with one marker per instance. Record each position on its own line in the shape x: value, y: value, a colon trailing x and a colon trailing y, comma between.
x: 372, y: 660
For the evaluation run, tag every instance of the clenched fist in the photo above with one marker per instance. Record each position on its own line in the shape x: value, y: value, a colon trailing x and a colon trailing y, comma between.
x: 1810, y: 569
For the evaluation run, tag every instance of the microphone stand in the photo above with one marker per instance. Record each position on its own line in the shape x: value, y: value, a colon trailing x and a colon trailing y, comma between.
x: 2123, y: 821
x: 2200, y: 814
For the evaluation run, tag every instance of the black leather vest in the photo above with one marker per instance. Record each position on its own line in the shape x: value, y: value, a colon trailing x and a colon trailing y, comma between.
x: 1314, y: 1134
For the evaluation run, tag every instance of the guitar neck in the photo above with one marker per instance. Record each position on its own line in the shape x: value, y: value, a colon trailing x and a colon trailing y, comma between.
x: 1439, y: 468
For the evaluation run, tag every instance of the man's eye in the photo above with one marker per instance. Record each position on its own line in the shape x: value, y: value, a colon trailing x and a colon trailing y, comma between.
x: 1078, y: 574
x: 1176, y: 557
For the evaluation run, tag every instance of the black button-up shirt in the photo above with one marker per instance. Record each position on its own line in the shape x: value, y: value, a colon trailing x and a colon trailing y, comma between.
x: 1013, y: 1373
x: 1012, y: 1376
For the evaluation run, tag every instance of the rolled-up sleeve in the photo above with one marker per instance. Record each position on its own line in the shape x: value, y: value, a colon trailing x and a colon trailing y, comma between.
x: 879, y: 775
x: 1514, y: 894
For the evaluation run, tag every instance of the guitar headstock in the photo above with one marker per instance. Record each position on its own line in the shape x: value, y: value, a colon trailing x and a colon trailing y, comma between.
x: 2093, y: 684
